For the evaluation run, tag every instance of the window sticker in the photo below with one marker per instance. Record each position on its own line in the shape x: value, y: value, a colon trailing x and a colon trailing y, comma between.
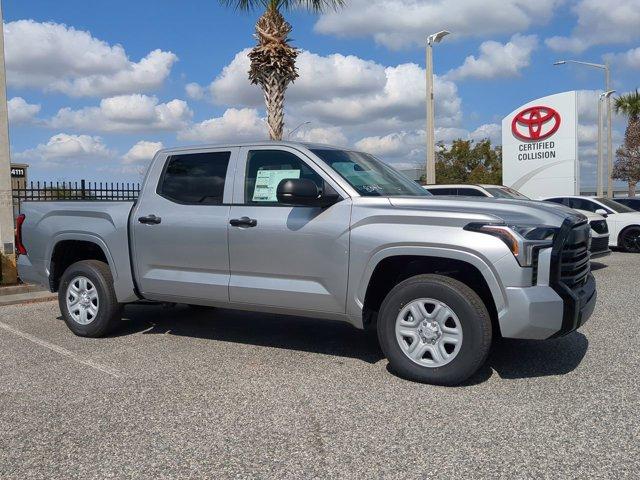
x: 267, y: 182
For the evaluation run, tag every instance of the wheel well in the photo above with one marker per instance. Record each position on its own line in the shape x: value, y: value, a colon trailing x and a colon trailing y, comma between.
x: 624, y: 230
x: 66, y: 253
x: 393, y: 270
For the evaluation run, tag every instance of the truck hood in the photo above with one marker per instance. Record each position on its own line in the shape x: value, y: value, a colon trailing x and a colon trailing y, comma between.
x: 512, y: 212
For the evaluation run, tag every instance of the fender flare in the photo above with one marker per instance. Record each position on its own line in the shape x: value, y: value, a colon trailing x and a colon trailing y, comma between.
x: 81, y: 237
x: 484, y: 267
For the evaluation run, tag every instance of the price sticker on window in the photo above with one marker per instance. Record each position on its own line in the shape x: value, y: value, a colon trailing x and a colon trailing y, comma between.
x: 267, y: 183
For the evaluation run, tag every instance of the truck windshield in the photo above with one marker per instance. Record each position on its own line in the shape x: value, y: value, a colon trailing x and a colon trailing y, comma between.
x: 369, y: 176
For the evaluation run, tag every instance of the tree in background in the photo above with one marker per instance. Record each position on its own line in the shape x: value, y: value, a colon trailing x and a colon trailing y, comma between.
x: 467, y: 161
x: 273, y: 59
x: 627, y: 165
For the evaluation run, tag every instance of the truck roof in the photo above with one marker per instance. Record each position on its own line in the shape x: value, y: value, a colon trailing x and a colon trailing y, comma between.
x: 457, y: 185
x: 275, y: 143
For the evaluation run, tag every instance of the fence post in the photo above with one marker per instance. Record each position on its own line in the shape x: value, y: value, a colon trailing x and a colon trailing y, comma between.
x: 82, y: 188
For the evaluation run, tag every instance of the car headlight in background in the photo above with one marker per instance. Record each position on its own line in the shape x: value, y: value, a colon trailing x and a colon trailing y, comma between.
x: 522, y: 240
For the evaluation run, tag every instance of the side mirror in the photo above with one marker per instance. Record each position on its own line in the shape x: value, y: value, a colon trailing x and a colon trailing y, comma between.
x: 304, y: 192
x: 603, y: 212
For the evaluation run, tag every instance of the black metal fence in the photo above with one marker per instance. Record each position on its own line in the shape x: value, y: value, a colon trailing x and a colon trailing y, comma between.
x: 79, y: 191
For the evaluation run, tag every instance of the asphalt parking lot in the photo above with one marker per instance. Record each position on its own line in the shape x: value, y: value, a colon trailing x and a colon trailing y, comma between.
x: 225, y: 394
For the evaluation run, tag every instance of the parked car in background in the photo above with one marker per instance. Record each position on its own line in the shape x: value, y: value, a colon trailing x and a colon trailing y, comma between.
x: 624, y: 222
x: 599, y: 228
x: 463, y: 190
x: 631, y: 202
x: 317, y: 231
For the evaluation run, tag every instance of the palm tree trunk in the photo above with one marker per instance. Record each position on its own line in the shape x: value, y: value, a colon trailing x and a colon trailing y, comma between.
x: 632, y: 188
x: 274, y: 89
x: 273, y: 66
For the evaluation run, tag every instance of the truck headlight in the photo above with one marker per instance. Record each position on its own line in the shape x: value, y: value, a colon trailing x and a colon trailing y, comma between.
x: 522, y: 240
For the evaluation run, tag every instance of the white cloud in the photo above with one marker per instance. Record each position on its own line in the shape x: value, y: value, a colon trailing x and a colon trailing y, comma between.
x: 600, y: 23
x: 141, y: 153
x: 329, y: 136
x: 195, y: 91
x: 491, y: 131
x: 399, y: 23
x: 65, y: 149
x: 54, y: 57
x: 406, y: 145
x: 234, y: 125
x: 126, y: 113
x: 320, y: 76
x: 22, y: 112
x: 628, y: 59
x: 497, y: 60
x: 346, y: 90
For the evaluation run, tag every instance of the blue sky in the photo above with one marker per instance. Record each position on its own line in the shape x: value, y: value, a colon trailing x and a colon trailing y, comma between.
x: 86, y: 104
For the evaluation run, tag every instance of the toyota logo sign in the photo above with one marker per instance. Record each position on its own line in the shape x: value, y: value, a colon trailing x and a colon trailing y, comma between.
x: 535, y: 123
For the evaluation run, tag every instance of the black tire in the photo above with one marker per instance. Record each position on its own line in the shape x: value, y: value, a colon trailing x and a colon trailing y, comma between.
x: 473, y: 317
x: 630, y: 239
x: 109, y: 312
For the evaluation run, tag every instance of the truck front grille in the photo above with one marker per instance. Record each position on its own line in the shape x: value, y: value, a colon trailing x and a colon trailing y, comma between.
x: 600, y: 226
x: 575, y: 257
x: 570, y: 274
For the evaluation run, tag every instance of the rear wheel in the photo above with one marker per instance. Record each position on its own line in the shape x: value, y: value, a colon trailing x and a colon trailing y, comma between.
x: 87, y: 299
x: 434, y: 329
x: 630, y: 239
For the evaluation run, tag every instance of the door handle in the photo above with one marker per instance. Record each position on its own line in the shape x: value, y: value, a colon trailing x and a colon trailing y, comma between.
x: 150, y: 220
x: 243, y: 222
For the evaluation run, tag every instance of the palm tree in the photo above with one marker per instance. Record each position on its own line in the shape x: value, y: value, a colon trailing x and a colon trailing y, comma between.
x: 273, y: 59
x: 628, y: 163
x: 629, y: 105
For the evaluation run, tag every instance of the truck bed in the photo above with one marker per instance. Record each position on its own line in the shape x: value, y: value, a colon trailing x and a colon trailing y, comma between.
x: 104, y: 223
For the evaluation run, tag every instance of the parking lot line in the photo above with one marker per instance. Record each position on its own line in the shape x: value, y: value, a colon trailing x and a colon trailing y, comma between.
x: 62, y: 351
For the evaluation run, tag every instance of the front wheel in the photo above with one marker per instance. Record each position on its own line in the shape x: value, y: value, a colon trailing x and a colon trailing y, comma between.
x: 87, y: 299
x: 630, y: 240
x: 434, y: 329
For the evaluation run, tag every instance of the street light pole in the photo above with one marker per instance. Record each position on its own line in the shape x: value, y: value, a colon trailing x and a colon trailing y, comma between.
x: 607, y: 88
x: 430, y: 131
x: 7, y: 250
x: 599, y: 163
x: 607, y: 72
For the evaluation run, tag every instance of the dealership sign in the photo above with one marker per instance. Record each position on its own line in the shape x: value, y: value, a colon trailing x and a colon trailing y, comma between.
x: 539, y: 147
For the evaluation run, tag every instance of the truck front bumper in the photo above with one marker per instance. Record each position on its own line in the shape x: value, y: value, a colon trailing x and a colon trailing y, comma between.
x: 539, y: 312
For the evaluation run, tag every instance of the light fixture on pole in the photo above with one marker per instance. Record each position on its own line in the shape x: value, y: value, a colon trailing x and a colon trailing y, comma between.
x: 430, y: 132
x: 607, y: 89
x: 291, y: 132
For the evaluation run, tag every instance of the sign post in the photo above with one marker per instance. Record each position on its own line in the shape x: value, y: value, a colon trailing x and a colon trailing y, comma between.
x: 540, y: 147
x: 7, y: 251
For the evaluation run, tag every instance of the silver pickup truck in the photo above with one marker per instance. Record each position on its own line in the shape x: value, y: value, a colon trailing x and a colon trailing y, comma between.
x: 317, y: 231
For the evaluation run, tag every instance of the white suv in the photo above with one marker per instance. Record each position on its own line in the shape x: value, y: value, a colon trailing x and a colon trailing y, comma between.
x: 600, y: 239
x: 624, y: 222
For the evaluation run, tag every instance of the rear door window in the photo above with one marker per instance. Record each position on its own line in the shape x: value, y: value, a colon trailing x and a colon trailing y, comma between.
x: 195, y: 178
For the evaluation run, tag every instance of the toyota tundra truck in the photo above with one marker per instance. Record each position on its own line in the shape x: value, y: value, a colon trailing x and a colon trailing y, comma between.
x: 317, y: 231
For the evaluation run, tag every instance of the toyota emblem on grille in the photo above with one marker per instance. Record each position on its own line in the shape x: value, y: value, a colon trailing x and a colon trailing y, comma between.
x: 535, y: 123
